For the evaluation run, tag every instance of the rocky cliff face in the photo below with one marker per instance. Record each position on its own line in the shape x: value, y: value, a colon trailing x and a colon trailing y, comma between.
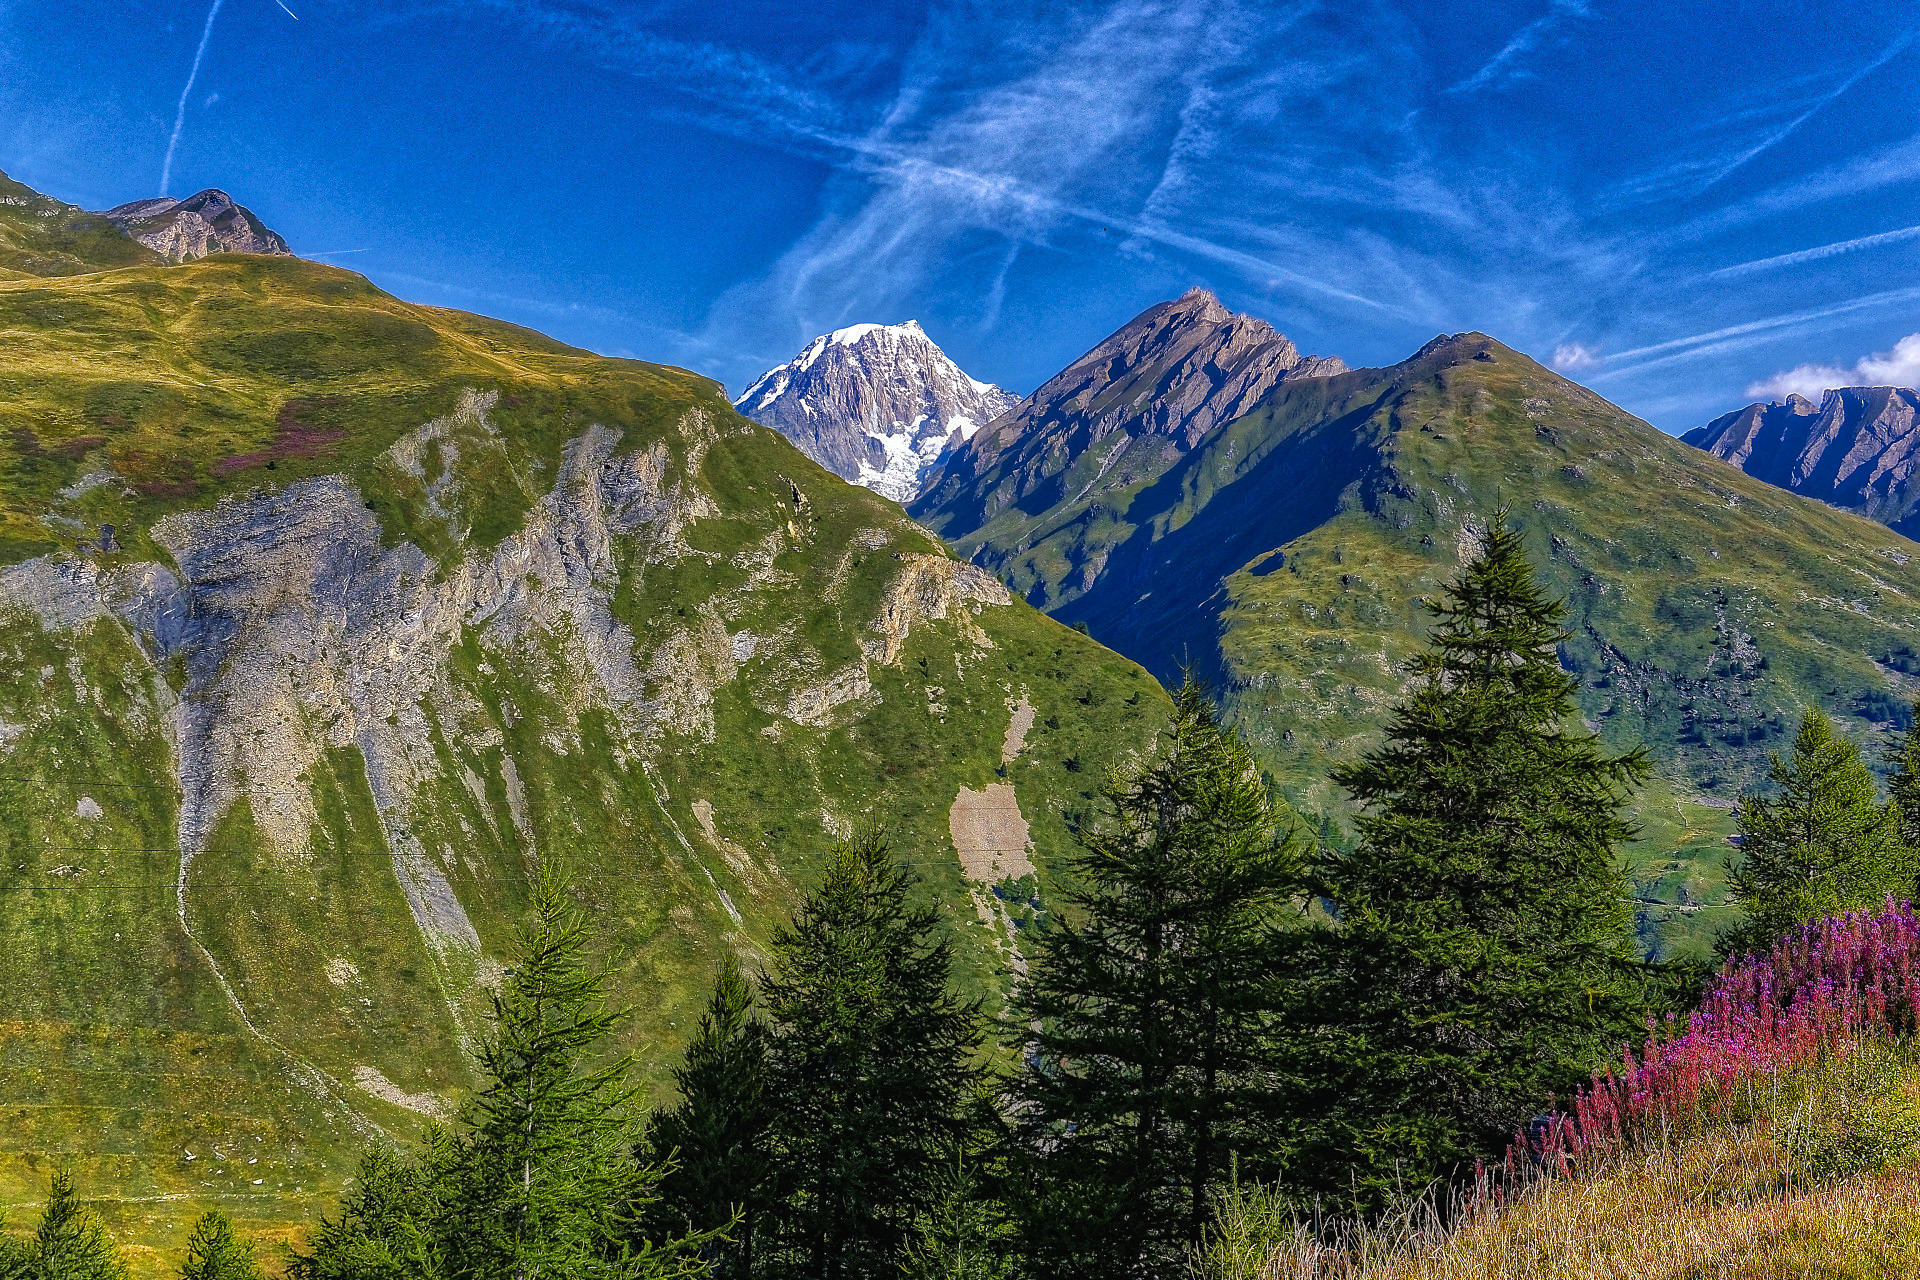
x: 328, y: 622
x: 1127, y: 410
x: 1859, y: 448
x: 208, y: 222
x: 879, y: 405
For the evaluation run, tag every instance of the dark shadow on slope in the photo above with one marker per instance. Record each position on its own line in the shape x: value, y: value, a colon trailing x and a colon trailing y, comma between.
x: 1158, y: 600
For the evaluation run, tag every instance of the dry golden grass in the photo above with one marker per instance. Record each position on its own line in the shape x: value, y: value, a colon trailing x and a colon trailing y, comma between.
x: 1723, y: 1205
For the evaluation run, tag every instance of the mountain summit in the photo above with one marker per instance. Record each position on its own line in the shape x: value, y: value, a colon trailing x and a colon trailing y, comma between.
x: 1127, y: 409
x: 879, y: 405
x: 1858, y: 449
x: 1285, y: 555
x: 209, y: 222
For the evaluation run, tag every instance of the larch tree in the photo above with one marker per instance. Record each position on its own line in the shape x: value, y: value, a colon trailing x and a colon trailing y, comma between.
x: 871, y: 1071
x: 1820, y: 844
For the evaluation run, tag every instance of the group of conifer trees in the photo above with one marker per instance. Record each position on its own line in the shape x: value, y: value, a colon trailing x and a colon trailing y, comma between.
x: 1220, y: 1000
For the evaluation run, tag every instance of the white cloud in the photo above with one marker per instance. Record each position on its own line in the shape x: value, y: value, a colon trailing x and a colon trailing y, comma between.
x: 1899, y: 367
x: 1575, y: 357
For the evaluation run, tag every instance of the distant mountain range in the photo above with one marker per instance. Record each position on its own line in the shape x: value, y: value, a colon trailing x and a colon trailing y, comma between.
x: 879, y: 405
x: 1859, y: 449
x: 1129, y: 408
x: 1278, y: 532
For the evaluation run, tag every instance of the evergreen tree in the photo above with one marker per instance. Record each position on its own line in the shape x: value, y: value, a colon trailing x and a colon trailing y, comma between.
x: 963, y: 1234
x: 1148, y: 1017
x: 714, y: 1144
x: 71, y: 1242
x: 543, y: 1181
x: 1903, y: 781
x: 548, y: 1174
x: 1481, y: 962
x: 392, y: 1221
x: 1821, y: 845
x: 870, y: 1068
x: 214, y: 1252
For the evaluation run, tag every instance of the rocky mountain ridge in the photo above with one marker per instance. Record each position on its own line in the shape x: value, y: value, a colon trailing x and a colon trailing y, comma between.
x: 1140, y: 399
x: 1858, y: 449
x: 879, y: 405
x: 1284, y: 555
x: 209, y: 221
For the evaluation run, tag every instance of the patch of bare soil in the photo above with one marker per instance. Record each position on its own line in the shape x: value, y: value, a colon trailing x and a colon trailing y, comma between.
x: 989, y: 833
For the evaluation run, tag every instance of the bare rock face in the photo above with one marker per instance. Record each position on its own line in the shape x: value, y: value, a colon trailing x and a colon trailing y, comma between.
x: 1858, y: 449
x: 1143, y: 397
x: 182, y: 230
x: 298, y: 630
x: 879, y: 405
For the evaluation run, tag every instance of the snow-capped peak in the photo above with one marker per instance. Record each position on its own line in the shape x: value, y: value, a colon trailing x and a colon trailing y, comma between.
x: 880, y: 405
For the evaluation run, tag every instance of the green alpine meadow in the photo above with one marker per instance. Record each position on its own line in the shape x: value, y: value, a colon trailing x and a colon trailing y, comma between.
x: 328, y: 622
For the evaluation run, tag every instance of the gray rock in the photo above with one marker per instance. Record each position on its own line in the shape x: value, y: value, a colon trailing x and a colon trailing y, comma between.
x: 208, y: 222
x: 1858, y: 449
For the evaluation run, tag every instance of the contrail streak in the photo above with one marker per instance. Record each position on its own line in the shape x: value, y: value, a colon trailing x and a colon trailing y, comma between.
x: 290, y: 13
x: 1818, y: 252
x: 180, y: 113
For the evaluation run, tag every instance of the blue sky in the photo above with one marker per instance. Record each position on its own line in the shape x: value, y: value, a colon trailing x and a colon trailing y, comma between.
x: 1680, y: 204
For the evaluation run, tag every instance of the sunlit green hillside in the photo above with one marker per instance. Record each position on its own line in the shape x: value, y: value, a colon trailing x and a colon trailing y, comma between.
x: 398, y: 604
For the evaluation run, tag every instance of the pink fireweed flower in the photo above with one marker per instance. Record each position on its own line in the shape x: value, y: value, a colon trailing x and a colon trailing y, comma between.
x: 1820, y: 990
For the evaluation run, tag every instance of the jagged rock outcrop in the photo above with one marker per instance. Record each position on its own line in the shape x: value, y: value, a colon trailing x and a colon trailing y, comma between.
x: 879, y: 405
x: 210, y: 221
x: 1142, y: 398
x: 1858, y: 449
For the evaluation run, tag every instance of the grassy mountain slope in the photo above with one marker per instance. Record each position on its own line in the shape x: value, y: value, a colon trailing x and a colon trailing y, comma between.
x: 1288, y: 553
x: 398, y: 603
x: 41, y: 236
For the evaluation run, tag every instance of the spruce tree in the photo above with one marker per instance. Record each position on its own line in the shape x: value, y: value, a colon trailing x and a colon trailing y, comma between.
x: 71, y: 1242
x: 1820, y: 845
x: 1148, y: 1019
x: 714, y: 1144
x: 871, y: 1063
x: 1481, y: 962
x: 215, y: 1252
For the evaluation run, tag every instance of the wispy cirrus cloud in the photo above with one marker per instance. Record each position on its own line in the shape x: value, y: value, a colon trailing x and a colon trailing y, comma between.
x: 1818, y: 253
x: 1751, y: 332
x: 1510, y: 62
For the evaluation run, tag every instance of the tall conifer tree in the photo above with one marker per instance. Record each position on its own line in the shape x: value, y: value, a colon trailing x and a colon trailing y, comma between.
x: 1821, y: 844
x: 1481, y: 962
x: 716, y: 1140
x: 71, y: 1243
x: 870, y: 1072
x: 1147, y: 1021
x: 543, y: 1180
x: 215, y: 1252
